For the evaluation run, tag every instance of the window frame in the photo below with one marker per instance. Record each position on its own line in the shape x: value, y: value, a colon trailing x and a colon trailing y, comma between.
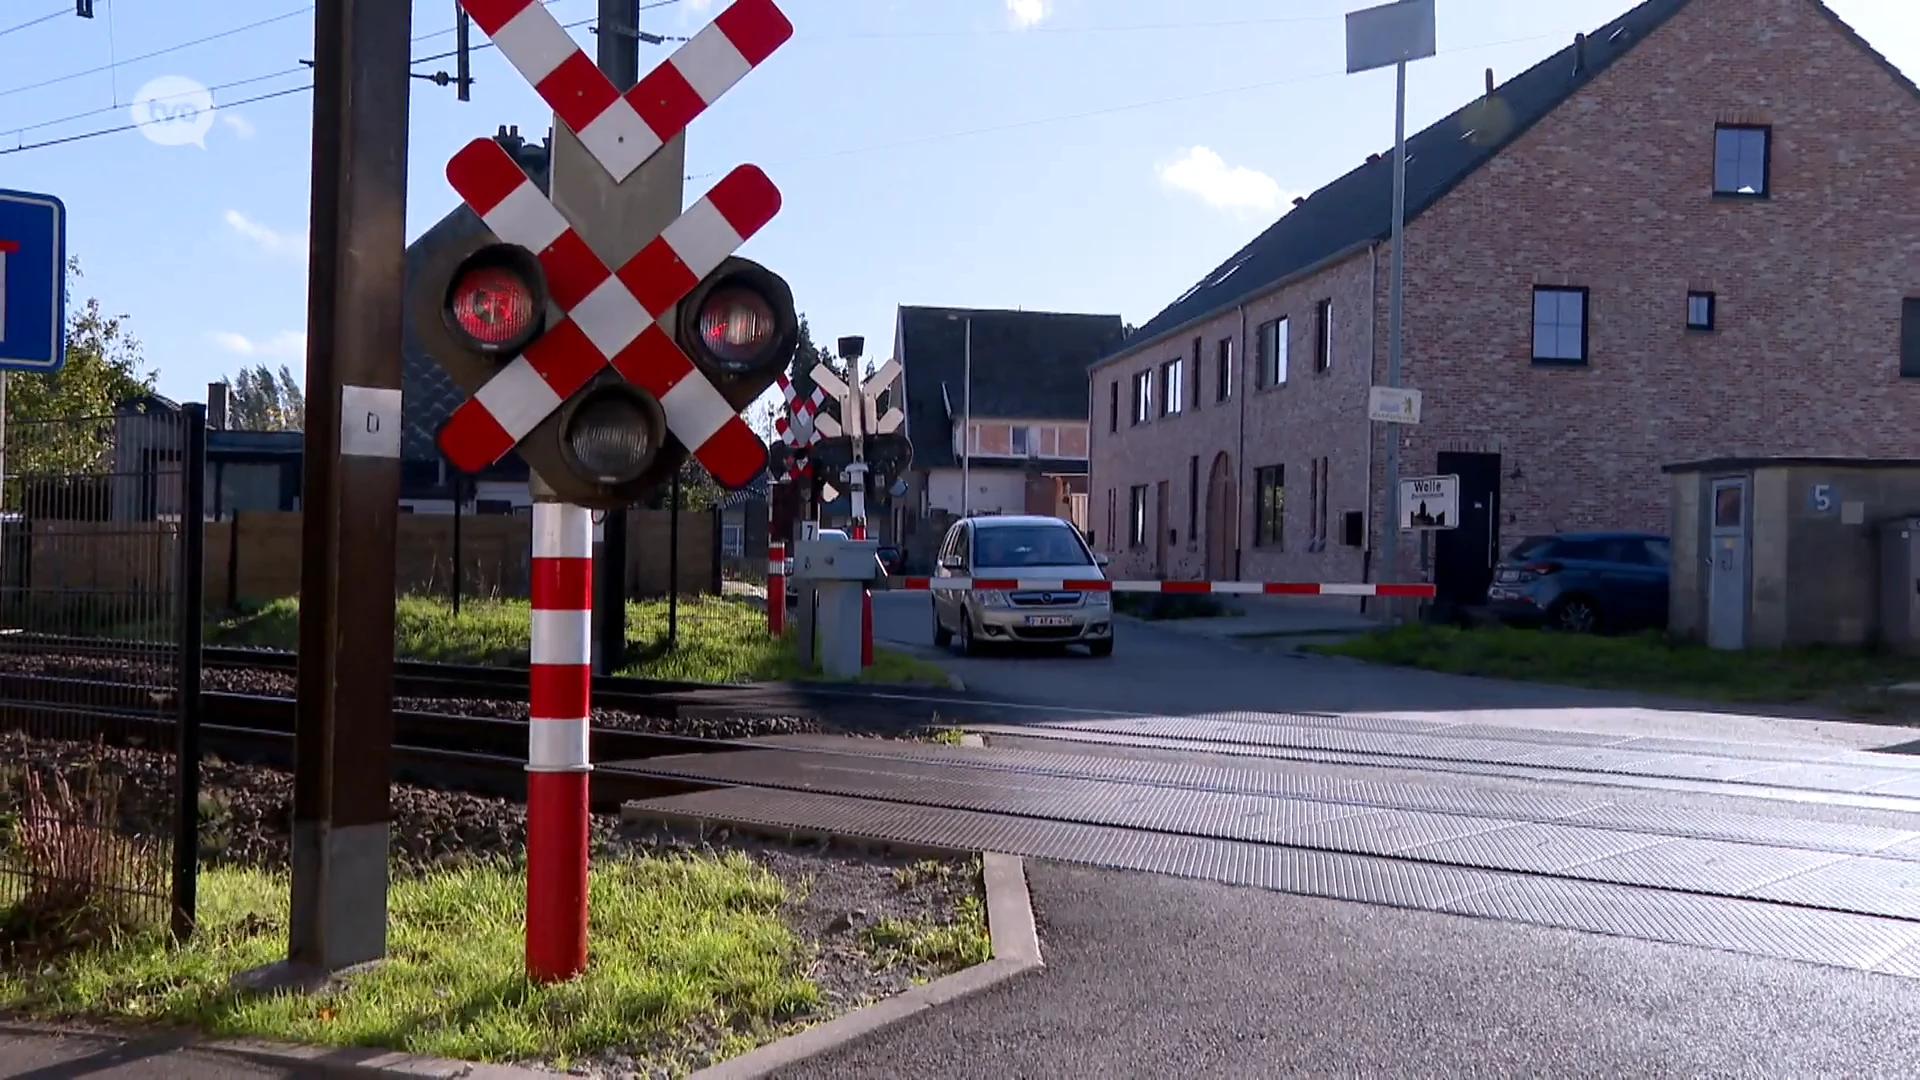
x: 1137, y: 516
x: 1765, y: 191
x: 1270, y: 516
x: 1270, y: 364
x: 1022, y: 433
x: 1173, y: 387
x: 1323, y: 336
x: 1910, y: 337
x: 1586, y: 325
x: 1713, y: 304
x: 1223, y: 375
x: 1193, y: 499
x: 1142, y: 398
x: 1113, y: 409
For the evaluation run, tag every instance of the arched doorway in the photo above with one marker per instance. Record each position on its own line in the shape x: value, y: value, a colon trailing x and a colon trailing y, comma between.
x: 1222, y: 523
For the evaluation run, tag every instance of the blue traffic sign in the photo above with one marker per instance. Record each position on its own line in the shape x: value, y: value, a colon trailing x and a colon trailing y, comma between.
x: 33, y: 282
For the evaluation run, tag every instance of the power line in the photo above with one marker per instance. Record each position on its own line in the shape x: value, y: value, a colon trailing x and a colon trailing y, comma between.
x: 170, y: 97
x: 1288, y: 20
x: 56, y: 13
x: 130, y: 127
x: 1106, y: 111
x: 157, y: 52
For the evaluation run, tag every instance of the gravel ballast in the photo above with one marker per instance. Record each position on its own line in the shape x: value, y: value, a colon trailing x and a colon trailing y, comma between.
x: 841, y: 902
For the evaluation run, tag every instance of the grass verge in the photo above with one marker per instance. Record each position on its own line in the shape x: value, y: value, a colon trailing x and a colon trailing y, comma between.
x: 1644, y: 662
x: 684, y: 948
x: 719, y: 640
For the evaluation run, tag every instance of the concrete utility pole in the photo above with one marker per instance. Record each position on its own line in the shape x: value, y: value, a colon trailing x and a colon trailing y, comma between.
x: 350, y: 499
x: 618, y: 219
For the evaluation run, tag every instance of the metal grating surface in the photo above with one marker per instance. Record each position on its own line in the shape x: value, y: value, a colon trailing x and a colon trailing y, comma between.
x: 1435, y: 755
x: 1304, y: 784
x: 1850, y: 885
x: 1707, y: 866
x: 1859, y: 942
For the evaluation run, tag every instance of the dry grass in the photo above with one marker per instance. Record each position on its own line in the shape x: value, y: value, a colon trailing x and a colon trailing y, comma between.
x: 79, y: 878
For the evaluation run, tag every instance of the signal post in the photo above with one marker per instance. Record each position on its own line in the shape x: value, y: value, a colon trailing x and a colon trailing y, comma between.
x: 605, y: 336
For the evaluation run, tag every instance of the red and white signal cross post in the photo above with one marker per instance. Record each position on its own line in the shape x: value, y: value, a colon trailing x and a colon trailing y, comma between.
x: 611, y: 317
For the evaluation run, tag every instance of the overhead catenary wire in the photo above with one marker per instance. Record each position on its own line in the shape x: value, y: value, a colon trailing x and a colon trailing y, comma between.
x: 70, y: 76
x: 36, y: 21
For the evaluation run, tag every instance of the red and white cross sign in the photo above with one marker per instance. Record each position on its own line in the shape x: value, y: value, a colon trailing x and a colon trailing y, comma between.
x: 611, y: 315
x: 623, y: 131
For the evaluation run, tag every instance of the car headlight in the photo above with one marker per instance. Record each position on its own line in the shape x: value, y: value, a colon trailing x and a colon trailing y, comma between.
x: 1100, y: 599
x: 993, y: 598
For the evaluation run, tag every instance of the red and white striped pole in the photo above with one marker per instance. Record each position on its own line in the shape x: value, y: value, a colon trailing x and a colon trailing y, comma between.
x: 560, y: 684
x: 776, y: 588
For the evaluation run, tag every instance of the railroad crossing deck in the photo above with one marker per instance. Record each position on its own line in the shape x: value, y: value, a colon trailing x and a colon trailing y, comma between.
x: 1595, y: 832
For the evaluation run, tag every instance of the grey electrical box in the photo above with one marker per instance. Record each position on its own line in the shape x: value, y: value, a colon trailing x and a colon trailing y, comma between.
x: 834, y: 559
x: 1900, y: 585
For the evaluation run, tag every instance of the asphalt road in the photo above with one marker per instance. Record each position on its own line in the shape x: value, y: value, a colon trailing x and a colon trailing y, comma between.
x: 29, y: 1055
x: 1155, y: 977
x: 1156, y: 670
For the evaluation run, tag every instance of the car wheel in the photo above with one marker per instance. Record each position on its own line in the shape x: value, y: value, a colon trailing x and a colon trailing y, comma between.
x: 942, y: 637
x: 969, y: 645
x: 1101, y: 648
x: 1574, y: 615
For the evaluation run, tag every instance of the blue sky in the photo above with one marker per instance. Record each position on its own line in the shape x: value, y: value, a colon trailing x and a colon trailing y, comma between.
x: 1073, y: 155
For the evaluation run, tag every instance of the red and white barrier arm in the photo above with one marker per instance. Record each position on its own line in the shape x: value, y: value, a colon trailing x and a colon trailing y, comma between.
x: 1241, y: 588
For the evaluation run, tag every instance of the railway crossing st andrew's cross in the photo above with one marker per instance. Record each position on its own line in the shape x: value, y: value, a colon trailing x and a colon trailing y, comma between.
x: 602, y: 358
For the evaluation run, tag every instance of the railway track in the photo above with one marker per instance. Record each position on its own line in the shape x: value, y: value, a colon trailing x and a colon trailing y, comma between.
x: 483, y: 755
x: 663, y: 698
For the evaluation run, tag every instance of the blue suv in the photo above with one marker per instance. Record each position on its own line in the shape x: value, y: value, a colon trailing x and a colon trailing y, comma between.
x: 1584, y: 582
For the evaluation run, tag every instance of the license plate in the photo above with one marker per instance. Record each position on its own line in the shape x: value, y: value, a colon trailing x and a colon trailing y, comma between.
x: 1049, y: 620
x: 1507, y: 575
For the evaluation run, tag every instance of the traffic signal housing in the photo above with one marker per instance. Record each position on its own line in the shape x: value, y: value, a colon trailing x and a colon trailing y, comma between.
x: 479, y: 303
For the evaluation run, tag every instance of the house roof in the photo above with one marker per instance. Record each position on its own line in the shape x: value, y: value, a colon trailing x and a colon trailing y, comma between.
x: 428, y: 396
x: 1029, y: 365
x: 1357, y: 208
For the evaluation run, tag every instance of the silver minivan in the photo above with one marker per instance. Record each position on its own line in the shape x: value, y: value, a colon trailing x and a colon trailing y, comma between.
x: 1029, y: 547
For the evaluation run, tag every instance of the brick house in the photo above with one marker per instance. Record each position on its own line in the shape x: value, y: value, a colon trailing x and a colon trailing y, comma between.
x: 1029, y: 415
x: 1691, y: 233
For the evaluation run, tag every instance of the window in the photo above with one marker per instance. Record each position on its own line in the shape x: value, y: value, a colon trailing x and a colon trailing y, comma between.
x: 1199, y: 367
x: 1113, y: 518
x: 1137, y: 516
x: 1559, y: 325
x: 1658, y: 552
x: 1223, y: 377
x: 1910, y: 338
x: 1323, y: 335
x: 1699, y: 311
x: 1024, y: 440
x: 1113, y: 406
x: 1173, y: 389
x: 1142, y: 396
x: 1270, y: 345
x: 1193, y: 499
x: 1742, y: 154
x: 1270, y: 507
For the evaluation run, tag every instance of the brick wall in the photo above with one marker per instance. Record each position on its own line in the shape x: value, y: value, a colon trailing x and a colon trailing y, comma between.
x: 1610, y: 192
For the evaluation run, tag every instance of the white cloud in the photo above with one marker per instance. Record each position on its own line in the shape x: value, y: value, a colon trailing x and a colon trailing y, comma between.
x: 1027, y: 13
x: 241, y: 125
x: 268, y: 239
x: 287, y: 345
x: 1204, y: 173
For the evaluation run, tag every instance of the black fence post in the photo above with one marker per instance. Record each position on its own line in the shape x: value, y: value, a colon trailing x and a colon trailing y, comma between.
x: 673, y: 564
x: 458, y: 585
x: 190, y: 600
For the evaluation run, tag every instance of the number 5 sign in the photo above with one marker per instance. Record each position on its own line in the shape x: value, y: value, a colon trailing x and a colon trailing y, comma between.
x: 1820, y: 498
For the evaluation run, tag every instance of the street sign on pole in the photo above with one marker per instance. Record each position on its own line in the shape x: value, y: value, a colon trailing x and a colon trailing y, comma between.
x: 1393, y: 35
x: 1393, y: 405
x: 1429, y: 502
x: 33, y: 278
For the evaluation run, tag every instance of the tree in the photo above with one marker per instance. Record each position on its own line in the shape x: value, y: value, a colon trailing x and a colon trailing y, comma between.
x: 805, y: 356
x: 60, y: 424
x: 262, y: 400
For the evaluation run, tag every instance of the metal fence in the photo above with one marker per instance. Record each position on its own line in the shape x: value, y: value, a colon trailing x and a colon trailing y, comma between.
x: 101, y: 571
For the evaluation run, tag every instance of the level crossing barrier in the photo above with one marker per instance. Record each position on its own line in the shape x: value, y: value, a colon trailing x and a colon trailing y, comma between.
x: 1421, y: 590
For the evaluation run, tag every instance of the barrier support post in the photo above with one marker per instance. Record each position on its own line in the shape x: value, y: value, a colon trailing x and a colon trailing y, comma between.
x: 776, y: 588
x: 560, y: 684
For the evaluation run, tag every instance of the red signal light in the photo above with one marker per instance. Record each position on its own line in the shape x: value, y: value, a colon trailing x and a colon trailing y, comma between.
x: 493, y: 306
x: 735, y: 325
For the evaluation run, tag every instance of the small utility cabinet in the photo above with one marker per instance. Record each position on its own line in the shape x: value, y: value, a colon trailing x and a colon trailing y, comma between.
x: 1778, y: 552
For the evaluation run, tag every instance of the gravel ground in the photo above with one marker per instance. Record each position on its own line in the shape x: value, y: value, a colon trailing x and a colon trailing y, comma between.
x: 836, y: 897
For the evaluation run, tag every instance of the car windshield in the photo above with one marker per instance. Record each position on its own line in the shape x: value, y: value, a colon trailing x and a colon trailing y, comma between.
x: 1027, y: 545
